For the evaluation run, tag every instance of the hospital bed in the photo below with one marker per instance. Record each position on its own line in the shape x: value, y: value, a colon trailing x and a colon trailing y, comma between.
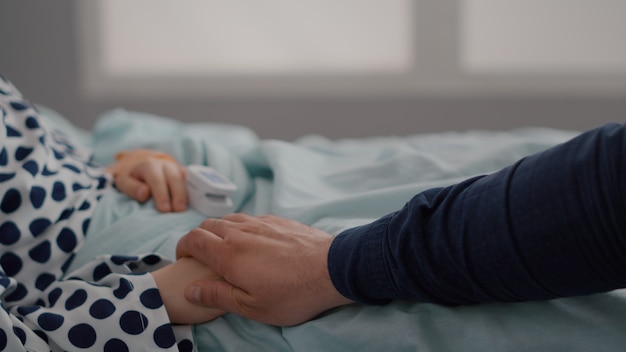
x: 334, y: 185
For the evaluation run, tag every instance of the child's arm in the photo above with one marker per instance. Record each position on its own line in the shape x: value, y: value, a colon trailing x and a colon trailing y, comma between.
x: 142, y: 173
x: 172, y: 280
x: 111, y: 303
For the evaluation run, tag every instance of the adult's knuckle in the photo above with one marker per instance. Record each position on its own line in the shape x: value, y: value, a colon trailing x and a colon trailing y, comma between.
x: 247, y: 307
x: 208, y: 223
x: 195, y: 241
x: 237, y: 217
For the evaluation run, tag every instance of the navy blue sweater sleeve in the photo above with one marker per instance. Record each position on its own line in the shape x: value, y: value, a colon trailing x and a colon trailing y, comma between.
x: 551, y: 225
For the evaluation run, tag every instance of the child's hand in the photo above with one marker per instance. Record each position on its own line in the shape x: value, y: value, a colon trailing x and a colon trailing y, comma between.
x: 172, y: 281
x: 141, y: 173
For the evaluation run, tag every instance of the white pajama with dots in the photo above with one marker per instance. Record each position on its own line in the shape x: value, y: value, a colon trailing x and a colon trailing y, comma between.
x: 48, y: 191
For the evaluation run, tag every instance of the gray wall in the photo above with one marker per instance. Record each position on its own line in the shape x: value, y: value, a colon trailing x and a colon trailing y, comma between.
x: 38, y: 53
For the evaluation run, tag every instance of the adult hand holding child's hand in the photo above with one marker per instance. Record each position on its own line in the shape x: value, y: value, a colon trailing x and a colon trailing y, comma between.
x: 274, y: 270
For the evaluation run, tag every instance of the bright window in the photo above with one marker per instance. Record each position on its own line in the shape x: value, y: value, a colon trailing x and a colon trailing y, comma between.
x: 539, y: 36
x: 251, y: 37
x: 282, y: 48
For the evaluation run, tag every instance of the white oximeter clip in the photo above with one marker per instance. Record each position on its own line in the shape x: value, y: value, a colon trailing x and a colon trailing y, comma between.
x: 209, y: 191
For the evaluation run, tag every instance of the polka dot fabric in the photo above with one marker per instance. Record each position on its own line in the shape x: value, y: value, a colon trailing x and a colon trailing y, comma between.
x: 48, y: 190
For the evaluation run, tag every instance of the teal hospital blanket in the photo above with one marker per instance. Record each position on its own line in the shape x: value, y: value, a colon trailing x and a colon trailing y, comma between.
x: 334, y: 185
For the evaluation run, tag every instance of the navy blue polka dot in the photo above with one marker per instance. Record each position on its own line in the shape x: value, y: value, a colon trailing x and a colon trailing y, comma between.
x: 68, y: 262
x: 47, y: 172
x: 44, y: 280
x: 31, y: 123
x: 101, y: 271
x: 133, y: 322
x: 38, y: 226
x: 20, y: 333
x: 185, y: 346
x: 5, y: 177
x: 19, y: 105
x: 115, y: 345
x: 11, y: 201
x: 41, y: 252
x: 19, y: 293
x: 72, y: 168
x: 32, y: 167
x: 42, y: 335
x: 102, y: 309
x: 3, y: 339
x: 102, y: 182
x: 9, y: 233
x: 11, y: 263
x: 77, y: 186
x: 164, y: 336
x: 50, y: 321
x: 57, y: 154
x: 25, y: 310
x: 76, y: 299
x: 124, y: 289
x: 54, y: 295
x: 121, y: 259
x: 37, y: 196
x: 151, y: 259
x: 67, y: 240
x: 65, y: 214
x: 151, y: 298
x: 84, y: 206
x: 82, y: 336
x: 4, y: 281
x: 22, y: 153
x: 86, y: 226
x: 58, y: 191
x: 12, y: 132
x: 4, y: 157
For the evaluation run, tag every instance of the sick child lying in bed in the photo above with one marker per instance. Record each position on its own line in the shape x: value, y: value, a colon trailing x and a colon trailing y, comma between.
x: 50, y: 183
x: 48, y: 191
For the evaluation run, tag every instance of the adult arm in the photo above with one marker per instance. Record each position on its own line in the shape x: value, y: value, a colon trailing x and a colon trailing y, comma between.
x: 551, y: 225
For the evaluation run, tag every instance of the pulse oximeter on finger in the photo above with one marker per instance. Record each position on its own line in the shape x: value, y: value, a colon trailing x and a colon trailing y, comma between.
x: 209, y: 191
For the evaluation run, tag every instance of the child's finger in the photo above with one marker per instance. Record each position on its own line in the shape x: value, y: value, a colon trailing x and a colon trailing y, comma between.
x: 153, y: 174
x: 133, y: 188
x: 177, y: 187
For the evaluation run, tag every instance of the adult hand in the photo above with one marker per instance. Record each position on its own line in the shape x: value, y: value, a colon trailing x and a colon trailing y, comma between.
x: 274, y: 270
x: 142, y: 173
